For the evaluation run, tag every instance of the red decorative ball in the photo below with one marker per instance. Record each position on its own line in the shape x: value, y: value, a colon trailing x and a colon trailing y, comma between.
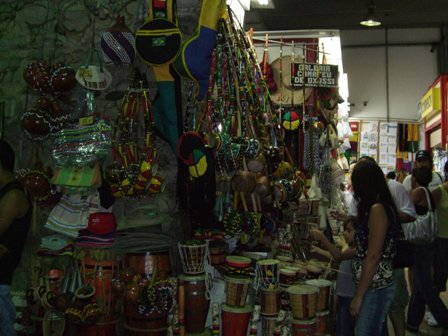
x: 63, y: 79
x: 36, y: 124
x: 37, y: 184
x: 37, y: 75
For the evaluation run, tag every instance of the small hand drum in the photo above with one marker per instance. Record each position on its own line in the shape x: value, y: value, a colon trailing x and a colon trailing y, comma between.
x: 194, y: 254
x: 267, y: 274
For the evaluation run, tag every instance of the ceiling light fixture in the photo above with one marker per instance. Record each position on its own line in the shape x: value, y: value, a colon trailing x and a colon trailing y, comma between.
x: 263, y: 2
x: 370, y: 20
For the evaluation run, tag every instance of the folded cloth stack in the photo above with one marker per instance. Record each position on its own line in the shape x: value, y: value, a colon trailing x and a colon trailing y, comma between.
x: 55, y: 245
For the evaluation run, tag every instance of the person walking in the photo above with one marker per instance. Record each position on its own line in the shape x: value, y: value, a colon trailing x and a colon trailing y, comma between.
x: 424, y: 290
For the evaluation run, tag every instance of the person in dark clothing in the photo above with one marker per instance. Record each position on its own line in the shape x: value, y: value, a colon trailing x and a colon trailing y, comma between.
x: 15, y: 220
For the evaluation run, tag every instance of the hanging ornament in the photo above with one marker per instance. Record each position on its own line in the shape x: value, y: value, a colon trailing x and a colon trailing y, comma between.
x: 291, y: 120
x: 133, y: 147
x: 36, y: 182
x: 36, y: 124
x: 62, y: 79
x: 118, y: 44
x: 37, y: 76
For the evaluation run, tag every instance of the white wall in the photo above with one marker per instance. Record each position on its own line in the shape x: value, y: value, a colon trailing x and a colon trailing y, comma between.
x: 411, y: 70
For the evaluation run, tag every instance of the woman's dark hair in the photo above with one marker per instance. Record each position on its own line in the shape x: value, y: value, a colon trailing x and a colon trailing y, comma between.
x: 370, y: 187
x: 423, y: 175
x: 7, y: 156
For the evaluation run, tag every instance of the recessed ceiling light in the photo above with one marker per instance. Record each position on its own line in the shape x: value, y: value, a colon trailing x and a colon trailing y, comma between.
x: 263, y: 2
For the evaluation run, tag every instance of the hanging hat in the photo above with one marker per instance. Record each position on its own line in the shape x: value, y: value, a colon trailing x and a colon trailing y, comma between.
x: 284, y: 88
x: 94, y: 76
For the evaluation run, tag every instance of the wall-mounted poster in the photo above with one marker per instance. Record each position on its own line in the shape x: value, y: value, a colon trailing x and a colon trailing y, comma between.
x: 368, y: 142
x: 387, y: 148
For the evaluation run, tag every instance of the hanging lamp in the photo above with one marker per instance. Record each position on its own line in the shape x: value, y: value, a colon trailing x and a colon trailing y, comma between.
x: 370, y: 20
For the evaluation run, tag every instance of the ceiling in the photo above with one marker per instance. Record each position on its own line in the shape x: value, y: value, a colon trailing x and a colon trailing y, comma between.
x: 345, y: 14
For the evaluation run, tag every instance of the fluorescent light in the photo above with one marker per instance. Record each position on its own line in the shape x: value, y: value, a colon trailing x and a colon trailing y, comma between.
x: 263, y: 2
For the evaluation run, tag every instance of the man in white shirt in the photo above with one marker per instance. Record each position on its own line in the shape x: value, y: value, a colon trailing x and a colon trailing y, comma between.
x: 424, y: 158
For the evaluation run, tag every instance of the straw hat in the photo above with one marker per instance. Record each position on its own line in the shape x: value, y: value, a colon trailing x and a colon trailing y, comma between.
x: 284, y: 90
x: 94, y: 77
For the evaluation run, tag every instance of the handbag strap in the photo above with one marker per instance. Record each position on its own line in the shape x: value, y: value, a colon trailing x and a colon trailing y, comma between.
x: 429, y: 199
x: 93, y: 52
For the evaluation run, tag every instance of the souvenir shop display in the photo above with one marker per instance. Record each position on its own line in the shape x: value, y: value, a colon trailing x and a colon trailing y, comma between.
x: 257, y: 166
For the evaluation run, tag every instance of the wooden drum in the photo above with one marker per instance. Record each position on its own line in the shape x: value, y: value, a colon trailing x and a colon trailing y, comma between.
x: 322, y: 322
x: 197, y: 302
x: 147, y: 263
x: 194, y: 254
x: 270, y: 302
x: 136, y: 324
x: 99, y: 274
x: 268, y: 325
x: 304, y: 327
x: 323, y: 297
x: 303, y: 301
x: 237, y: 289
x: 267, y: 274
x: 235, y: 320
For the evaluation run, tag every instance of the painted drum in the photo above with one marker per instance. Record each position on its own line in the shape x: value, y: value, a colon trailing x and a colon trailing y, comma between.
x: 237, y: 289
x: 287, y: 276
x: 194, y: 254
x: 303, y: 301
x: 197, y: 302
x: 323, y: 297
x: 267, y: 274
x: 322, y: 322
x: 235, y: 320
x: 238, y: 261
x: 270, y: 302
x: 303, y: 327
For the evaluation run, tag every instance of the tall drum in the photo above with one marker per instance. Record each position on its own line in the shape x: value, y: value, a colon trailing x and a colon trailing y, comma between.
x: 197, y: 302
x: 235, y: 320
x: 99, y: 275
x: 147, y: 301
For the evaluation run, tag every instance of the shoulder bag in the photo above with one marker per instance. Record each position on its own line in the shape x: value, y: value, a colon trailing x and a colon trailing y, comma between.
x: 424, y: 229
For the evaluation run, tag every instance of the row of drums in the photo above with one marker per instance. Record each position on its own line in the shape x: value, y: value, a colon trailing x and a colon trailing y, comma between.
x: 307, y: 301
